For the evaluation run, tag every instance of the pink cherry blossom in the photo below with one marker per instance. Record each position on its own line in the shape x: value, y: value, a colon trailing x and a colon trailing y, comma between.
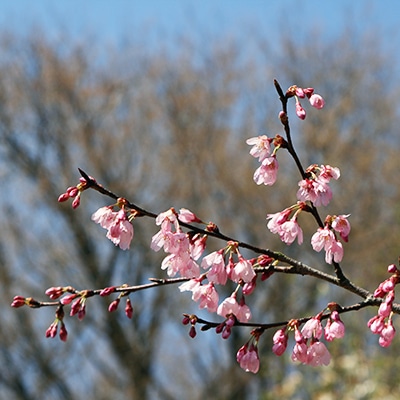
x: 300, y: 348
x: 206, y: 295
x: 327, y: 173
x: 244, y: 313
x: 182, y: 264
x: 277, y: 219
x: 267, y: 172
x: 312, y: 328
x: 300, y: 352
x: 242, y: 271
x: 247, y: 357
x: 215, y: 264
x: 318, y: 354
x: 176, y: 242
x: 104, y: 216
x: 167, y: 217
x: 334, y: 252
x: 261, y: 147
x: 197, y: 245
x: 314, y: 190
x: 158, y: 241
x: 315, y: 187
x: 325, y: 239
x: 119, y: 229
x: 341, y: 225
x: 187, y: 216
x: 228, y: 306
x: 334, y: 328
x: 289, y: 230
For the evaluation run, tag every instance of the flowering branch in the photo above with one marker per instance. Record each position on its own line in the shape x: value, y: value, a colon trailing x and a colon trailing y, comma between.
x: 201, y: 274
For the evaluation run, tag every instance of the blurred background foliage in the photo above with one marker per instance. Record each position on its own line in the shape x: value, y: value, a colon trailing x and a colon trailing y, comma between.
x: 167, y: 128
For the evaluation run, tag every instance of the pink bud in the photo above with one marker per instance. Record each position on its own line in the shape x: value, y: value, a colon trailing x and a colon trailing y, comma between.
x: 317, y: 101
x: 76, y: 202
x: 249, y: 287
x: 185, y: 320
x: 187, y: 216
x: 52, y: 330
x: 54, y: 292
x: 300, y: 92
x: 308, y: 91
x: 63, y: 197
x: 280, y: 340
x: 300, y: 111
x: 384, y: 309
x: 128, y: 308
x: 108, y: 290
x: 219, y: 328
x: 192, y: 332
x: 63, y: 332
x: 18, y: 301
x: 113, y: 305
x: 388, y: 285
x: 82, y: 312
x: 67, y: 299
x: 392, y: 269
x: 72, y: 191
x: 226, y: 332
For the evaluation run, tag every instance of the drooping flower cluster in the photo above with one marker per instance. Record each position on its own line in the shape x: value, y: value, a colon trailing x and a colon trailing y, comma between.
x: 247, y: 355
x: 184, y: 249
x: 217, y: 272
x: 285, y: 225
x: 315, y: 187
x: 382, y: 323
x: 308, y: 348
x: 325, y: 238
x: 266, y: 173
x: 119, y: 229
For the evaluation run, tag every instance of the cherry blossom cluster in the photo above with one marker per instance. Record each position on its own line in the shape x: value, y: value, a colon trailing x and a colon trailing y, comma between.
x: 299, y: 93
x: 381, y: 324
x: 118, y: 225
x: 185, y: 250
x: 315, y: 187
x: 266, y: 173
x: 308, y: 348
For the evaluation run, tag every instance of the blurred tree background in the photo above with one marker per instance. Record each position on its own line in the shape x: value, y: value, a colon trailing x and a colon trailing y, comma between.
x: 167, y: 128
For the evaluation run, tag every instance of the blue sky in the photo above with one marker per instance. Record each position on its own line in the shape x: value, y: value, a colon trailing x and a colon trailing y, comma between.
x: 111, y: 20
